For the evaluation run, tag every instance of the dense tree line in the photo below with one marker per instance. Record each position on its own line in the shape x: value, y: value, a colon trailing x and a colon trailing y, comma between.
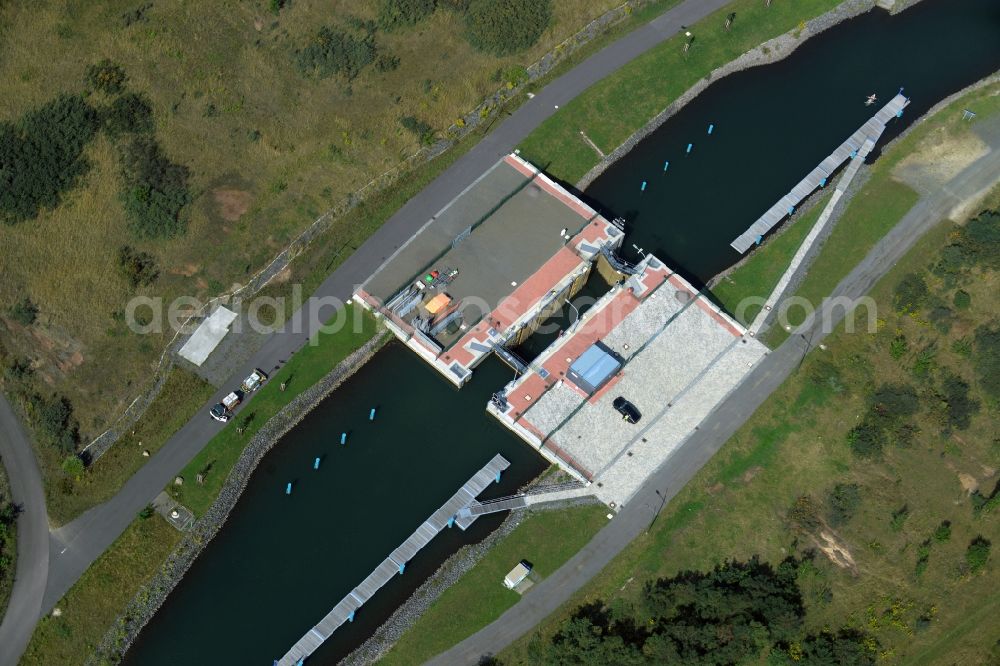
x: 41, y: 156
x: 735, y: 613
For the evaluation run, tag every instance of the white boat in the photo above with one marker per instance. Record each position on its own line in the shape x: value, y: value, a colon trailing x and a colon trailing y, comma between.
x: 871, y: 100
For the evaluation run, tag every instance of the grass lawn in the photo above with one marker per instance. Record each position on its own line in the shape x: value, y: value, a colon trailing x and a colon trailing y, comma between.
x: 796, y: 444
x: 759, y: 274
x: 93, y: 603
x: 612, y: 109
x: 182, y: 394
x: 306, y: 367
x: 546, y: 539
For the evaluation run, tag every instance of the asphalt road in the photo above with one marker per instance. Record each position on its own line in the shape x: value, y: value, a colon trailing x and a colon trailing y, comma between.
x: 31, y: 572
x: 76, y: 545
x: 723, y: 422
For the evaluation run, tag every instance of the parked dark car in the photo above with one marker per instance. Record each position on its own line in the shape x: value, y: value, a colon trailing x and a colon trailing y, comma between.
x: 627, y: 410
x: 220, y: 413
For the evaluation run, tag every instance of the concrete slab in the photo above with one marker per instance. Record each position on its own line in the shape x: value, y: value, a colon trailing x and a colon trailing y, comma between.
x: 208, y: 336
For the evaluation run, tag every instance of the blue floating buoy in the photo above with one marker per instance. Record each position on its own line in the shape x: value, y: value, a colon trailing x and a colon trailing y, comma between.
x: 451, y: 521
x: 690, y: 146
x: 288, y: 488
x: 343, y: 438
x: 710, y: 128
x: 642, y: 188
x: 316, y: 463
x: 854, y: 153
x: 759, y: 239
x: 350, y: 617
x: 666, y: 165
x: 822, y: 182
x: 401, y: 567
x: 371, y: 415
x: 791, y: 209
x: 498, y: 477
x: 899, y: 114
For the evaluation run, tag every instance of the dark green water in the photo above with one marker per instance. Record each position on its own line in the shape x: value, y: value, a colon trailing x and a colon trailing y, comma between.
x: 774, y: 124
x: 280, y: 563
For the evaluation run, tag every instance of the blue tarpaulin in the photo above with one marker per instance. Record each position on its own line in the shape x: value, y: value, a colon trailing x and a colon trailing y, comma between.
x: 593, y: 368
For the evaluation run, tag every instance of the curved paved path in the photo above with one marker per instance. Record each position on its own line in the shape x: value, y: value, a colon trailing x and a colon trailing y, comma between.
x: 31, y: 573
x: 76, y: 545
x: 726, y: 419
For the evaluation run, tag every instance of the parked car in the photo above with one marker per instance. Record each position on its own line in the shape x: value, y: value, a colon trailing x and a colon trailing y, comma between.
x: 223, y: 411
x: 627, y: 410
x: 254, y: 381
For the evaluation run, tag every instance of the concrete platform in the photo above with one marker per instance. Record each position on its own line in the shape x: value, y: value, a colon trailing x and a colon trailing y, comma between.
x: 208, y: 335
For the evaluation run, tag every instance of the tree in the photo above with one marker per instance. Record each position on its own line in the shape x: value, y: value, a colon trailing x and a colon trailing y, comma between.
x: 958, y: 406
x: 987, y: 355
x: 129, y: 113
x: 395, y: 14
x: 334, y: 51
x: 504, y: 27
x: 24, y: 312
x: 54, y: 418
x: 867, y: 440
x: 155, y: 190
x: 41, y: 156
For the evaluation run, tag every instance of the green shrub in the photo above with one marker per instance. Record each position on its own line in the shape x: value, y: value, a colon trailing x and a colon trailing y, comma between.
x: 24, y: 312
x: 129, y: 113
x: 962, y: 299
x: 943, y: 532
x: 73, y: 466
x: 106, y: 77
x: 867, y: 440
x: 41, y: 156
x: 386, y: 62
x: 423, y: 131
x: 910, y: 294
x: 924, y: 361
x: 981, y: 239
x: 147, y: 512
x: 898, y: 347
x: 335, y: 52
x: 977, y: 554
x: 54, y: 419
x: 843, y: 500
x: 138, y: 268
x: 804, y: 514
x: 941, y: 316
x: 155, y: 190
x: 395, y: 14
x: 987, y: 357
x: 504, y: 27
x: 962, y: 347
x: 895, y: 401
x: 458, y: 6
x: 899, y: 517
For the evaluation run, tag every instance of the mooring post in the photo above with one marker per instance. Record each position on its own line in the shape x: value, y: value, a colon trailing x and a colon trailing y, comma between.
x: 690, y: 146
x: 316, y: 463
x: 666, y: 165
x: 642, y: 188
x: 288, y: 488
x: 710, y: 128
x: 343, y: 438
x: 371, y: 415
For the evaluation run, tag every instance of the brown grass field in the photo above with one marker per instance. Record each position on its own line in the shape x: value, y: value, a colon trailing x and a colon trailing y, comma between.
x: 319, y: 140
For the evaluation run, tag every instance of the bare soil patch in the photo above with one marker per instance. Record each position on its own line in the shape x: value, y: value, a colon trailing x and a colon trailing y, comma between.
x: 231, y: 204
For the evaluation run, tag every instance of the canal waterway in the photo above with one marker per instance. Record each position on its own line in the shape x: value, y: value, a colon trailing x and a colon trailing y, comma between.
x: 773, y: 124
x: 281, y: 562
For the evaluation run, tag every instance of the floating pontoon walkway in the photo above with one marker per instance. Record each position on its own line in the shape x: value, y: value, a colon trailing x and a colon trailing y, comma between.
x: 870, y: 131
x: 393, y: 565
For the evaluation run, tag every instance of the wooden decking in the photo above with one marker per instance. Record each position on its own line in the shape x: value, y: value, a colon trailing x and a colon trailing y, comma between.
x: 870, y: 131
x: 396, y: 562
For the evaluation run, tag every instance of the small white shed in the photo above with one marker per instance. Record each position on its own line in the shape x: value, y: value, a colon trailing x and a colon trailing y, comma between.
x: 516, y: 575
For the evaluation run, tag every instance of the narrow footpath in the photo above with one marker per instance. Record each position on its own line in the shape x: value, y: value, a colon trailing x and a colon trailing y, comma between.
x: 725, y: 420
